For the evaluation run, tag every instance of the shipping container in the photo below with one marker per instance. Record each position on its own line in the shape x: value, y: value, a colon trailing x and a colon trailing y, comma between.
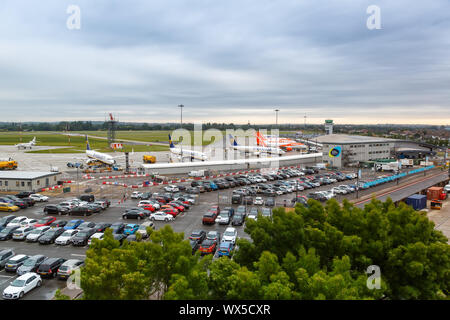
x: 434, y: 192
x: 417, y: 201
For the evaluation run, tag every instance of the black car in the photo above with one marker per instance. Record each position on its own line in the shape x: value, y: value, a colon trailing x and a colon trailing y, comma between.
x: 81, y: 211
x: 119, y: 237
x: 58, y: 223
x: 87, y: 198
x: 51, y: 235
x: 145, y: 195
x: 5, y: 220
x: 270, y: 202
x: 24, y: 194
x: 5, y: 255
x: 15, y: 262
x: 199, y: 235
x: 82, y: 237
x: 7, y: 233
x: 21, y: 203
x: 56, y: 209
x: 238, y: 219
x: 236, y: 199
x: 96, y: 208
x: 86, y: 225
x: 31, y: 264
x: 248, y: 200
x: 194, y: 184
x: 30, y: 201
x: 117, y: 227
x: 49, y: 267
x: 194, y: 245
x: 101, y: 226
x: 134, y: 214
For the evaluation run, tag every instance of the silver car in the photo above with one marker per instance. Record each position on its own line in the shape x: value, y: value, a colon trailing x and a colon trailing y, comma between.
x: 34, y: 235
x: 22, y: 233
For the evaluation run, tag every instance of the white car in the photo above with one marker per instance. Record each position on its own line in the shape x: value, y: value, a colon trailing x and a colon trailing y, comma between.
x: 252, y: 216
x: 230, y: 235
x: 34, y: 235
x: 22, y: 232
x: 135, y: 195
x: 143, y: 229
x: 22, y: 285
x: 16, y: 221
x: 337, y: 190
x: 329, y: 194
x: 28, y: 222
x: 97, y: 235
x: 68, y: 204
x: 447, y: 188
x: 66, y: 237
x: 161, y: 216
x: 258, y: 201
x: 171, y: 188
x: 39, y: 197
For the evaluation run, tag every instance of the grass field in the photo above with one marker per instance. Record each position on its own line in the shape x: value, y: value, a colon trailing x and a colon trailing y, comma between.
x: 77, y: 144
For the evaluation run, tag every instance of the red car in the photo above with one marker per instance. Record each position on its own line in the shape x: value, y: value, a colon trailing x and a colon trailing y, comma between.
x: 208, y: 246
x: 160, y: 200
x: 148, y: 207
x: 45, y: 222
x: 176, y: 206
x: 172, y: 211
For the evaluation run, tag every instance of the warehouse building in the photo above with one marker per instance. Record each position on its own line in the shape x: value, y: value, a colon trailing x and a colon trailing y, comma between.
x: 27, y: 180
x: 340, y: 150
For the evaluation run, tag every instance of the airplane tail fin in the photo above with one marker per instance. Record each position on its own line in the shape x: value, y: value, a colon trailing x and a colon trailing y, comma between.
x: 260, y: 139
x: 87, y: 144
x: 233, y: 140
x: 171, y: 142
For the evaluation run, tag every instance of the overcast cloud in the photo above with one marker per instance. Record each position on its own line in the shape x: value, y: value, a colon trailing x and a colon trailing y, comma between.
x: 231, y: 61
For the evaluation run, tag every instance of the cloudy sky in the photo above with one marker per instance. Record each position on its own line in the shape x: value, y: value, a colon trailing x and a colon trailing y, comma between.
x: 226, y: 61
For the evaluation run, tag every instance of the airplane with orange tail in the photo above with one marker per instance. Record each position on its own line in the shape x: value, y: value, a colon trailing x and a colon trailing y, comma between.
x: 277, y: 142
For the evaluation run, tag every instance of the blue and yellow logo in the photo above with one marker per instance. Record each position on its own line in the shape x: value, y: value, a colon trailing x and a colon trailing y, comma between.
x: 335, y: 152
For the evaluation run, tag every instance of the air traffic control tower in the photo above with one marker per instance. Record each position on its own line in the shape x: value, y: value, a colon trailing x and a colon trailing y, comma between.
x: 328, y: 127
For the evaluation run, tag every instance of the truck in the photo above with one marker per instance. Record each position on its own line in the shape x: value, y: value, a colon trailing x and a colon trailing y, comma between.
x: 390, y: 166
x: 148, y: 159
x: 8, y: 165
x: 407, y: 162
x: 198, y: 173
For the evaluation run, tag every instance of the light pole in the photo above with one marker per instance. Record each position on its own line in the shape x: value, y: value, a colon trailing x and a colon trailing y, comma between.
x: 276, y: 114
x: 181, y: 127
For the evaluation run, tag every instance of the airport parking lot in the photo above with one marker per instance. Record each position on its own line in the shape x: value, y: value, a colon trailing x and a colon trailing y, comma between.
x: 185, y: 222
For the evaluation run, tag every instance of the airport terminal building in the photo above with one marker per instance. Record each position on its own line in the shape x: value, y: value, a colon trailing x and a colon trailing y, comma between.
x: 340, y: 150
x: 27, y: 180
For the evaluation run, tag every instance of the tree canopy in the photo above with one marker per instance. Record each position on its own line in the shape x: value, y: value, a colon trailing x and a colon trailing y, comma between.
x: 319, y: 252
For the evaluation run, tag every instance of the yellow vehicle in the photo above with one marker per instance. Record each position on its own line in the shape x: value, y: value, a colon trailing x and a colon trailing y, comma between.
x: 149, y: 159
x: 8, y: 207
x: 436, y: 204
x: 8, y: 165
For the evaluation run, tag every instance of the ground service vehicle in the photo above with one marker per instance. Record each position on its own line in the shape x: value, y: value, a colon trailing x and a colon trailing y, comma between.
x: 148, y: 159
x: 8, y: 165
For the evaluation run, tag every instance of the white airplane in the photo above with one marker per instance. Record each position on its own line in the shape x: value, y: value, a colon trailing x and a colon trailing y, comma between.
x: 186, y: 153
x: 254, y: 149
x: 94, y: 156
x: 26, y: 145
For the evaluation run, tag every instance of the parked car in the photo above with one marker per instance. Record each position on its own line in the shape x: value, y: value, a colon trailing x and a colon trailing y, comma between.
x: 130, y: 228
x: 161, y: 216
x: 49, y: 267
x: 117, y: 227
x: 82, y: 237
x: 5, y: 255
x: 31, y: 264
x: 5, y: 220
x: 22, y: 233
x: 45, y: 222
x: 223, y: 217
x: 81, y: 211
x: 87, y: 198
x: 143, y: 229
x: 15, y: 262
x: 194, y: 245
x: 97, y: 235
x: 73, y: 224
x: 208, y: 246
x: 213, y: 235
x: 66, y: 269
x: 238, y: 219
x: 270, y: 202
x: 39, y: 197
x: 101, y: 226
x: 34, y: 235
x: 199, y: 235
x: 50, y: 236
x: 24, y: 194
x: 17, y: 221
x: 86, y: 225
x: 22, y: 285
x: 226, y: 249
x: 7, y: 232
x: 66, y: 237
x: 230, y: 235
x: 56, y: 209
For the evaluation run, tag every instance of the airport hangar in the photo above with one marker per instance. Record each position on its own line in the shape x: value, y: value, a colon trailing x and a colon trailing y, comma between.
x: 27, y: 180
x: 238, y: 164
x: 354, y: 149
